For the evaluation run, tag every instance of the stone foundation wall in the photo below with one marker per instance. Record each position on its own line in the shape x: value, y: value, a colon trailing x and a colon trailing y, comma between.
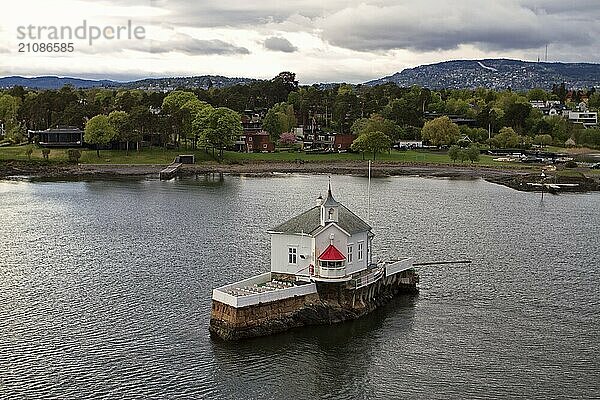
x: 333, y: 303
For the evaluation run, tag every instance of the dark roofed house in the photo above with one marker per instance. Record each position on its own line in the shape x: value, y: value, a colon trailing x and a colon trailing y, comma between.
x: 57, y: 137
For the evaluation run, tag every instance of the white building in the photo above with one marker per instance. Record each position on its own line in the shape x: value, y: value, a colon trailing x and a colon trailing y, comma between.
x: 326, y: 243
x: 586, y: 118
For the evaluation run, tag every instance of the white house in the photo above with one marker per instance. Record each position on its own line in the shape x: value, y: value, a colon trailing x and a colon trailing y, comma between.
x: 586, y: 118
x: 326, y: 243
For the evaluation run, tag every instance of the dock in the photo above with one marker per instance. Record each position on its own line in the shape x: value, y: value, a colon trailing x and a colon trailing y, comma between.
x: 170, y: 171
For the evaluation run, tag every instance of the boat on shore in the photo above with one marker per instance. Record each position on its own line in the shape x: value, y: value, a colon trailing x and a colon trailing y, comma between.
x: 322, y: 272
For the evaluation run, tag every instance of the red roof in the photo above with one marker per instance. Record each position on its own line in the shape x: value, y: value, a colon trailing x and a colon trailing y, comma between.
x: 332, y: 254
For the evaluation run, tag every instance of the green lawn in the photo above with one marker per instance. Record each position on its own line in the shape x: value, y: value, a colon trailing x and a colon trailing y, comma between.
x: 409, y: 156
x: 157, y: 155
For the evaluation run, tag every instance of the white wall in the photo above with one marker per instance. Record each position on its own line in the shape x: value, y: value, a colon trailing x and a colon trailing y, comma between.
x: 356, y: 264
x: 220, y: 295
x: 313, y: 247
x: 279, y: 253
x: 322, y: 240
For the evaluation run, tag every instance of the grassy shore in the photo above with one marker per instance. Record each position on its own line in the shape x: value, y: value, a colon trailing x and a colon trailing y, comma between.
x: 161, y: 156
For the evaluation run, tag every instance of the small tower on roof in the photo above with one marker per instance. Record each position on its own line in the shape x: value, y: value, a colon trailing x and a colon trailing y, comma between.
x: 329, y: 209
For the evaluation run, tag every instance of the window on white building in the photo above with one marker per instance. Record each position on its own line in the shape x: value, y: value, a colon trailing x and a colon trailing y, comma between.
x: 350, y: 257
x: 360, y: 252
x: 292, y: 254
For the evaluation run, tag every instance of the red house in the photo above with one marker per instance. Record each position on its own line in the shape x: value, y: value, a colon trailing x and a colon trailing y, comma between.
x: 342, y: 142
x: 258, y: 142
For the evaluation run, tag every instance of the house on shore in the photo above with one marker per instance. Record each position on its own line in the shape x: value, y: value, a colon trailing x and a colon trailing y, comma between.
x: 57, y: 137
x: 253, y: 137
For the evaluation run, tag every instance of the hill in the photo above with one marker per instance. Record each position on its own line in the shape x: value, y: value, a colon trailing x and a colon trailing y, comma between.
x: 52, y: 82
x: 158, y: 84
x: 496, y: 74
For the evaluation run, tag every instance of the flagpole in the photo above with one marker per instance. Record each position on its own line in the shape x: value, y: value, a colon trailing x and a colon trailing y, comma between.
x: 369, y: 195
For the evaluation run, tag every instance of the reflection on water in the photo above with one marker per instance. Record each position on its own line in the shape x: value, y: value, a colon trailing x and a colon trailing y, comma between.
x: 105, y: 292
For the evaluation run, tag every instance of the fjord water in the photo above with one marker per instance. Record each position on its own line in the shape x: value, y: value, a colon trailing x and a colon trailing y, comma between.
x: 105, y: 292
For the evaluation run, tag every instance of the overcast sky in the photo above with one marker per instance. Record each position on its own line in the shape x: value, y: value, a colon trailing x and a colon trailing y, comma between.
x: 320, y: 40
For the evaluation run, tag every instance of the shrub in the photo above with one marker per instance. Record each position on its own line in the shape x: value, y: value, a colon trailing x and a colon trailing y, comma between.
x: 73, y: 155
x: 29, y: 151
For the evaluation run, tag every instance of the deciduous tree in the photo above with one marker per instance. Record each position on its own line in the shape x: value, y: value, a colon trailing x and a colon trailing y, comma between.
x: 223, y: 126
x: 441, y: 132
x: 372, y: 141
x: 98, y: 131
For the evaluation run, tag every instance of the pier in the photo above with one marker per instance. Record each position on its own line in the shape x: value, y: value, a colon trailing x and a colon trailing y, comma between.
x: 170, y: 171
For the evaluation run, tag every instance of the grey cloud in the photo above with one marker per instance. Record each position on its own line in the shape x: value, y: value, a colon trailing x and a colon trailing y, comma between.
x: 179, y: 42
x: 235, y: 13
x: 189, y: 45
x: 382, y: 25
x: 428, y: 26
x: 279, y: 44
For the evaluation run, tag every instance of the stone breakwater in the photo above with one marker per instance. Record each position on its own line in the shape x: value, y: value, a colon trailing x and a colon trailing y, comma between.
x: 331, y: 304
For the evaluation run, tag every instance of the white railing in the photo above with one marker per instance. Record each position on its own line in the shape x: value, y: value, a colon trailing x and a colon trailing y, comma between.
x: 398, y: 266
x: 369, y: 278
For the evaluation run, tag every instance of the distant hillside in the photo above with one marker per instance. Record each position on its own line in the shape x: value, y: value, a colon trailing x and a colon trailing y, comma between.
x: 190, y: 82
x: 51, y: 82
x: 159, y: 84
x: 497, y: 74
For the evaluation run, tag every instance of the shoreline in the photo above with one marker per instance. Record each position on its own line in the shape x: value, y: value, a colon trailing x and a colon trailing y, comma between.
x: 510, y: 176
x: 11, y: 169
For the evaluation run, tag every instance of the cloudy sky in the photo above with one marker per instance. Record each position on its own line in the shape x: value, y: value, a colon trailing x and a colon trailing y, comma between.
x: 320, y: 40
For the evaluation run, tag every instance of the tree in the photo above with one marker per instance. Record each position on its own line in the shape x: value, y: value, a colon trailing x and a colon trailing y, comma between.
x: 441, y: 131
x: 376, y: 123
x: 9, y: 106
x: 516, y: 114
x: 121, y: 123
x: 287, y: 138
x: 537, y: 94
x: 472, y: 153
x: 200, y: 124
x: 173, y: 106
x: 507, y: 138
x: 190, y: 110
x: 223, y: 126
x: 454, y: 153
x: 279, y: 119
x: 594, y: 100
x: 542, y: 140
x: 374, y: 141
x: 98, y: 131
